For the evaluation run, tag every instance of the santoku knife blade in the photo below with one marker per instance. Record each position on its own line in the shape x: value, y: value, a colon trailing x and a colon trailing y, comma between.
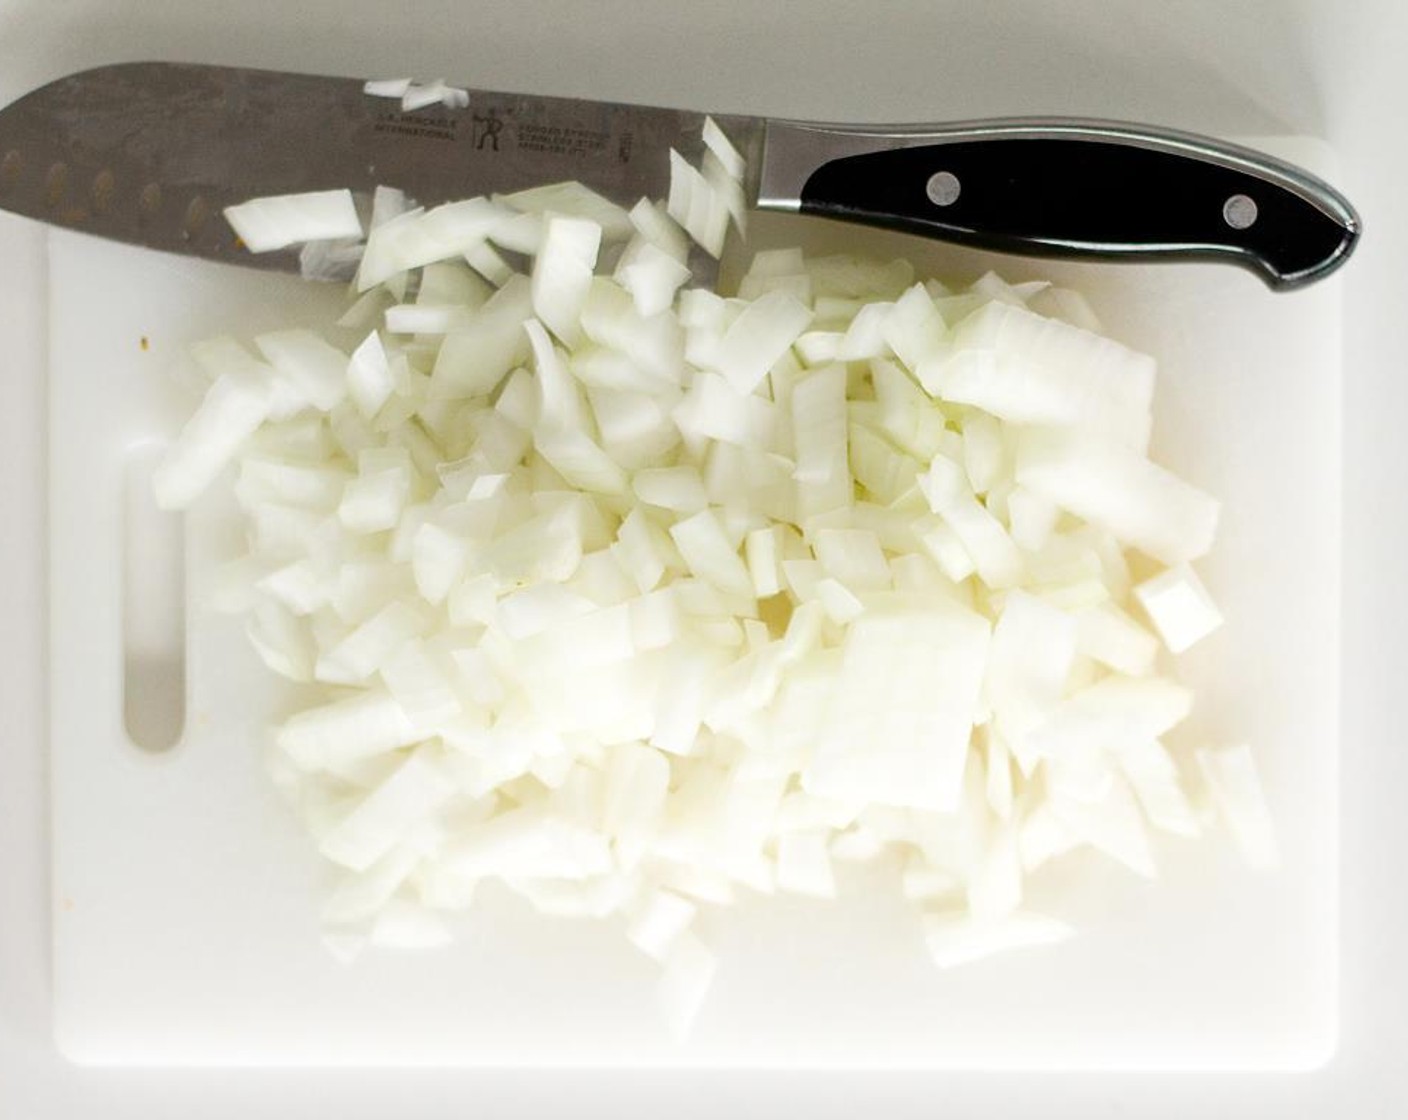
x: 151, y: 153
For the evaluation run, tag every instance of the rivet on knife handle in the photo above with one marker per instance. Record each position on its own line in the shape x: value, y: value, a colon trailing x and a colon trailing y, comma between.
x: 1067, y: 188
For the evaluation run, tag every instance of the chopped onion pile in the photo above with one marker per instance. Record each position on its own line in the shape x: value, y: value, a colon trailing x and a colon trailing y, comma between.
x: 414, y: 95
x: 633, y: 596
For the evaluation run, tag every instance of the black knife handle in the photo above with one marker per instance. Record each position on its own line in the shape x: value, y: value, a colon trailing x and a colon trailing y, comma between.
x: 1067, y: 188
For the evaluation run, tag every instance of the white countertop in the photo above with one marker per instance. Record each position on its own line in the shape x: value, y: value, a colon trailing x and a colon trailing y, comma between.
x: 1237, y: 67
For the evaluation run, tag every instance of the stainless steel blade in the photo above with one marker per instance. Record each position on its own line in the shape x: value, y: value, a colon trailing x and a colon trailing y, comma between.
x: 151, y: 153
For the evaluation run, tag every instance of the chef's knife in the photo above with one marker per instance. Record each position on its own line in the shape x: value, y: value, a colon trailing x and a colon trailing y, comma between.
x: 151, y: 153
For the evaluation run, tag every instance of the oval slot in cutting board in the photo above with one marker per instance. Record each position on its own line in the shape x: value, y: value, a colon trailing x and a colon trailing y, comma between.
x: 153, y: 610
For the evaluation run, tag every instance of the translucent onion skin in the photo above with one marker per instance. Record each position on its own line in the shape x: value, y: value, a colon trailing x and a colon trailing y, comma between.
x: 634, y: 596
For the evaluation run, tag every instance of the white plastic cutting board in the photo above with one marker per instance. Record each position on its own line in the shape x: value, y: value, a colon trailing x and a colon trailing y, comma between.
x: 185, y: 926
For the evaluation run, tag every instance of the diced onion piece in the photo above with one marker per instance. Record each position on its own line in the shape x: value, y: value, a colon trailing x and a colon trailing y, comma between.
x: 902, y: 709
x: 652, y: 275
x: 1114, y: 639
x: 408, y: 797
x: 387, y: 203
x: 915, y: 331
x: 854, y: 557
x: 840, y: 603
x: 438, y: 559
x: 421, y: 237
x: 709, y: 555
x: 231, y: 412
x: 730, y: 194
x: 758, y: 338
x: 996, y: 559
x: 697, y: 206
x: 1068, y: 306
x: 374, y: 500
x: 718, y: 142
x: 1141, y: 503
x: 948, y: 552
x: 674, y: 488
x: 864, y: 338
x: 420, y: 686
x: 360, y: 726
x: 422, y: 96
x: 818, y: 415
x: 713, y: 408
x: 573, y: 200
x: 982, y: 451
x: 362, y: 652
x: 419, y: 318
x: 485, y: 260
x: 316, y: 370
x: 530, y: 843
x: 387, y: 87
x: 1029, y: 664
x: 1179, y: 606
x: 762, y: 547
x: 369, y: 378
x: 281, y: 641
x: 475, y: 358
x: 278, y: 221
x: 1109, y: 712
x: 1031, y: 519
x: 562, y: 273
x: 1042, y: 371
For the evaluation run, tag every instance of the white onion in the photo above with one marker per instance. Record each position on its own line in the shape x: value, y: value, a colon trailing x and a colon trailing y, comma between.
x: 420, y: 237
x: 697, y: 205
x: 387, y: 87
x: 562, y: 273
x: 1080, y: 379
x: 758, y: 337
x: 1179, y: 606
x: 573, y: 200
x: 316, y: 371
x: 915, y: 333
x: 633, y: 596
x: 1118, y: 489
x: 475, y: 358
x: 902, y: 709
x: 652, y: 275
x: 416, y: 97
x: 718, y: 143
x: 231, y: 412
x: 411, y: 794
x: 277, y: 221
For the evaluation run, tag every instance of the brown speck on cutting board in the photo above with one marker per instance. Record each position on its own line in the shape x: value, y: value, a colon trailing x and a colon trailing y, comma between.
x: 66, y: 903
x: 146, y: 343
